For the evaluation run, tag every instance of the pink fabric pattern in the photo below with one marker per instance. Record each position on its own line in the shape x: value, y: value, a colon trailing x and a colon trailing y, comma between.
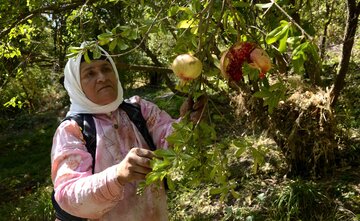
x: 100, y: 196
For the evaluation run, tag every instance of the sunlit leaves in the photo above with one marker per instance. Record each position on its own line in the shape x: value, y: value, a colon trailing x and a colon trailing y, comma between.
x: 105, y: 38
x: 186, y: 156
x: 14, y: 102
x: 117, y: 37
x: 84, y: 51
x: 279, y: 34
x: 266, y: 5
x: 186, y: 24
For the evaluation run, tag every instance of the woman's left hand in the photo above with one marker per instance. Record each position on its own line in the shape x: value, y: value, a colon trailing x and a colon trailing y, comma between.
x: 196, y: 109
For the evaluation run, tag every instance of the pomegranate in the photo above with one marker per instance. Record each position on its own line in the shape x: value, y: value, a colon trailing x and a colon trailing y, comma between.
x: 261, y: 60
x: 232, y: 60
x: 187, y: 67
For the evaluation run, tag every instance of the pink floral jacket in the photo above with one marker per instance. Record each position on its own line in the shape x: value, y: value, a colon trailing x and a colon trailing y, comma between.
x: 100, y: 196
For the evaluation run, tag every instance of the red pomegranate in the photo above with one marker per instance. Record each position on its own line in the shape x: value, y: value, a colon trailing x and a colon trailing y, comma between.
x: 232, y: 60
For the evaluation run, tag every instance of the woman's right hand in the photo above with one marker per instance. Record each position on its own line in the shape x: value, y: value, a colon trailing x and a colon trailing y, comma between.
x: 135, y: 166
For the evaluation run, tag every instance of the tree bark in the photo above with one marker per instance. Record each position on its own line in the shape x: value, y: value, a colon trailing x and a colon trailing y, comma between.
x: 353, y: 10
x: 328, y: 15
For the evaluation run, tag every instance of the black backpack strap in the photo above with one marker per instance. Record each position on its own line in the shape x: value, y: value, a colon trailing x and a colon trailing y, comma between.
x: 61, y: 214
x: 135, y: 115
x: 87, y: 124
x: 133, y: 110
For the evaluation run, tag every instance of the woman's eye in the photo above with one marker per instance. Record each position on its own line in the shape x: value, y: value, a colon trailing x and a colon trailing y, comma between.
x: 90, y: 74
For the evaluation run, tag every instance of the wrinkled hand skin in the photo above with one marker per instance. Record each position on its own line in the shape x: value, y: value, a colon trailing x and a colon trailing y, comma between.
x: 196, y: 109
x: 135, y: 166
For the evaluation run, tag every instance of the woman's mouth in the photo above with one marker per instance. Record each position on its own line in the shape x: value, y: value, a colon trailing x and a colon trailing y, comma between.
x: 104, y: 87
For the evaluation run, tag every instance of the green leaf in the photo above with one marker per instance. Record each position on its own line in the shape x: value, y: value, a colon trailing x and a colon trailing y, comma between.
x: 173, y: 11
x: 113, y: 45
x: 295, y: 40
x: 106, y: 35
x: 276, y: 86
x: 186, y: 24
x: 96, y: 53
x: 75, y: 49
x: 283, y: 40
x: 298, y: 65
x: 278, y: 33
x: 215, y: 191
x: 158, y: 164
x: 299, y: 52
x: 70, y: 55
x: 129, y: 32
x: 235, y: 194
x: 153, y: 177
x: 262, y: 94
x: 273, y: 36
x: 313, y: 49
x: 86, y: 57
x: 122, y: 46
x: 170, y: 183
x: 253, y: 73
x: 241, y: 146
x: 241, y: 4
x: 165, y: 153
x: 186, y: 10
x: 105, y: 38
x: 262, y: 6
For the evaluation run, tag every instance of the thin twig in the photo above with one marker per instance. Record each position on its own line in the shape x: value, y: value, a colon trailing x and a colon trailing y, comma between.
x: 292, y: 20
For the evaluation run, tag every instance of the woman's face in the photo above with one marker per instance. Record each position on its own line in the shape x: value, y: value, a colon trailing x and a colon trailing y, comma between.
x: 98, y: 81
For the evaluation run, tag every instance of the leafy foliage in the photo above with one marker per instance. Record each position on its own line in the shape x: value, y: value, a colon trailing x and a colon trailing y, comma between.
x: 37, y: 35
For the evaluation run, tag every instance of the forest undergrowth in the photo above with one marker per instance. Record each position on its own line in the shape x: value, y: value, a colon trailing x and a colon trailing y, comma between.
x: 267, y: 193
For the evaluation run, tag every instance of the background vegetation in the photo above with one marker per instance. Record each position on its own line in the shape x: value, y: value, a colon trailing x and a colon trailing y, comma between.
x: 290, y: 151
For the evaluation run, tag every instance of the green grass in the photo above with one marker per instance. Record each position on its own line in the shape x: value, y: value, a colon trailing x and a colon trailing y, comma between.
x: 25, y: 167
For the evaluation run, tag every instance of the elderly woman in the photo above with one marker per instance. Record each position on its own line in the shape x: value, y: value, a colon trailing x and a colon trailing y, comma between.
x: 122, y: 157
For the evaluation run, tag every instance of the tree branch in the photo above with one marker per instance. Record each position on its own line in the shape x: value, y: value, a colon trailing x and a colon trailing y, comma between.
x: 148, y: 68
x: 51, y: 8
x: 292, y: 20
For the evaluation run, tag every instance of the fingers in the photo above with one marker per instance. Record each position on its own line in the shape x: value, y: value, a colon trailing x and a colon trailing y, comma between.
x: 190, y: 105
x: 143, y: 152
x: 135, y: 166
x: 140, y: 157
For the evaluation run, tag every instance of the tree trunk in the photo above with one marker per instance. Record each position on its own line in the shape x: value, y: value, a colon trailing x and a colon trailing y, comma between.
x: 313, y: 70
x: 328, y: 15
x: 350, y: 31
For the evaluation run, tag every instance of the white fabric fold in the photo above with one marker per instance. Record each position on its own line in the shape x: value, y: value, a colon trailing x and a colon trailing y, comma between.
x: 79, y: 102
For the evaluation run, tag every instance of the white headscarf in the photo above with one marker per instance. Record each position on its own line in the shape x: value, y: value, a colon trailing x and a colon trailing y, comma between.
x: 79, y: 102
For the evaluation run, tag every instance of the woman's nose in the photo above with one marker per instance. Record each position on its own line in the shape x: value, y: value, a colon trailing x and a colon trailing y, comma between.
x: 101, y: 76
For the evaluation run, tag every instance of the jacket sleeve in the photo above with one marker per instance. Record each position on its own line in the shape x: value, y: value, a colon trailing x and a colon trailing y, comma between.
x: 159, y: 122
x: 77, y: 190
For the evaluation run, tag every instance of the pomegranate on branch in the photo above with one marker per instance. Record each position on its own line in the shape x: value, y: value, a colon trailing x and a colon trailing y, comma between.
x: 232, y: 60
x: 187, y: 67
